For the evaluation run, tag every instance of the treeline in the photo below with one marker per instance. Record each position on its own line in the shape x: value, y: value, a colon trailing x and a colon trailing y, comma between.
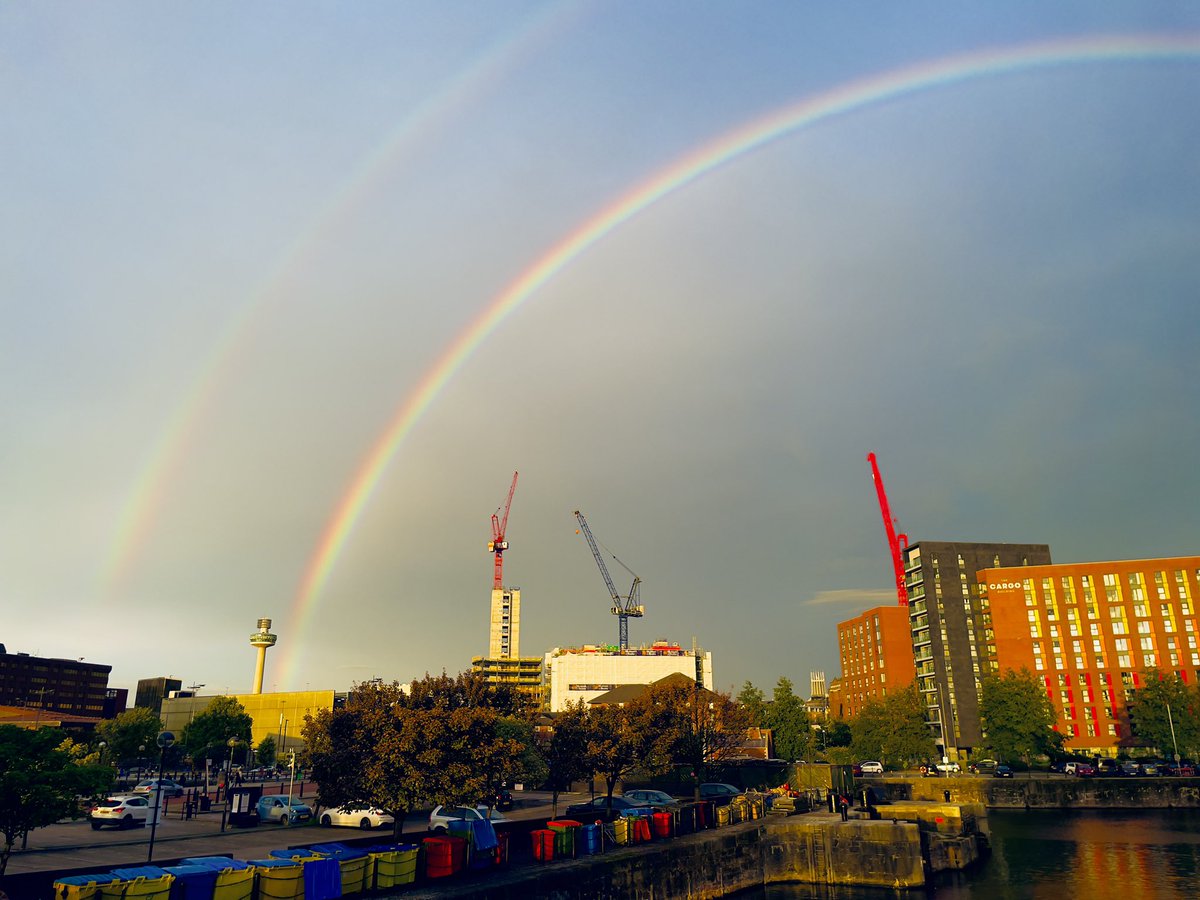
x: 453, y: 740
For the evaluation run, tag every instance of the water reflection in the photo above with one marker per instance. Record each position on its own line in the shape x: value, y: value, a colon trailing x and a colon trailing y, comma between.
x: 1101, y: 855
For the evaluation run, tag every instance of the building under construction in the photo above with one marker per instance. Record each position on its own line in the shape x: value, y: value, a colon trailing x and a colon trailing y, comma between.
x: 504, y: 663
x: 583, y: 673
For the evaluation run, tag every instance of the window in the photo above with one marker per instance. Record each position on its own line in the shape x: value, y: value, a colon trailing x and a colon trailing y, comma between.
x: 1144, y: 628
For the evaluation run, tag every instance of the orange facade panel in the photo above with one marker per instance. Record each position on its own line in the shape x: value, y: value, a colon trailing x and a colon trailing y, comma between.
x: 1091, y: 631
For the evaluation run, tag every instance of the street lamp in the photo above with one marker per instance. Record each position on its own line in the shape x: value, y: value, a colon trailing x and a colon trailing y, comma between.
x: 1174, y: 743
x: 165, y: 740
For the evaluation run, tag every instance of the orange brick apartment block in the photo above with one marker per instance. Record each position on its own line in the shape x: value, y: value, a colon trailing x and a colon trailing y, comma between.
x: 877, y: 656
x: 1090, y: 631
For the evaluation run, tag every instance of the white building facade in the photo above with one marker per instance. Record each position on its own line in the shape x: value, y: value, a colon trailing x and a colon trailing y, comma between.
x: 584, y: 673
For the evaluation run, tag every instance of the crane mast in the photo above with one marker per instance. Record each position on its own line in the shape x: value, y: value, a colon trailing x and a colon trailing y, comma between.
x: 895, y: 542
x: 623, y: 607
x: 498, y: 544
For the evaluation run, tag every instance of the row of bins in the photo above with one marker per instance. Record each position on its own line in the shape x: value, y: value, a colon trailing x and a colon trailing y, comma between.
x: 322, y: 872
x: 568, y: 838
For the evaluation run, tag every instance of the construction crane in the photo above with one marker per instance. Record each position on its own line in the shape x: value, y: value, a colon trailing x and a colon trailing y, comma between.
x: 895, y: 541
x: 625, y: 607
x: 498, y: 544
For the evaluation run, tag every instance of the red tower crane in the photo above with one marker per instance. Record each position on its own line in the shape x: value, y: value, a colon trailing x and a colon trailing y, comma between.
x: 498, y: 544
x: 895, y: 541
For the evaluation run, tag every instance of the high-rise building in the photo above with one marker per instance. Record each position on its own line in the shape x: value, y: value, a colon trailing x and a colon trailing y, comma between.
x: 876, y: 653
x: 949, y: 634
x: 151, y: 692
x: 584, y: 673
x: 66, y: 685
x: 505, y: 637
x: 1090, y: 631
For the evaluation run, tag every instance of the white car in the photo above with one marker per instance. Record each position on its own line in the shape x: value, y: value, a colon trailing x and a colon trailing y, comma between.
x: 442, y: 816
x: 871, y: 767
x: 356, y: 818
x: 121, y: 811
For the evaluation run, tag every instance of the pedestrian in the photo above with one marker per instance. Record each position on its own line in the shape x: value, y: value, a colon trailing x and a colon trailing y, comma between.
x: 844, y: 803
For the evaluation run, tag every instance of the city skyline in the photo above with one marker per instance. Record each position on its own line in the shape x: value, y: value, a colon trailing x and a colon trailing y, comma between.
x: 289, y: 302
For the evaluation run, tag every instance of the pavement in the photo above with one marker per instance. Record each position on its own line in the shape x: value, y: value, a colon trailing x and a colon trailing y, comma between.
x: 72, y: 845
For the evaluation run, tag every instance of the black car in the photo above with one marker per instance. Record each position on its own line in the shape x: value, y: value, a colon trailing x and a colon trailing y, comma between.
x: 500, y: 799
x: 598, y: 809
x: 1002, y: 771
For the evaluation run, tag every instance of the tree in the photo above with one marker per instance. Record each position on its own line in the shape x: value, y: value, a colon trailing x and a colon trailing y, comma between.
x: 755, y: 703
x: 787, y: 718
x: 1017, y: 716
x: 893, y: 730
x: 565, y: 751
x: 620, y: 741
x: 207, y: 736
x: 1153, y: 726
x: 134, y: 728
x: 40, y: 783
x: 694, y: 726
x: 265, y: 752
x: 401, y: 750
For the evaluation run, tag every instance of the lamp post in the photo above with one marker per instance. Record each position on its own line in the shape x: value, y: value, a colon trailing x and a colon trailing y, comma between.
x: 1174, y: 743
x: 165, y: 740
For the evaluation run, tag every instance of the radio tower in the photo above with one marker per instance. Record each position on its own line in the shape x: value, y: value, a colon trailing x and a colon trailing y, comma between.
x: 261, y: 640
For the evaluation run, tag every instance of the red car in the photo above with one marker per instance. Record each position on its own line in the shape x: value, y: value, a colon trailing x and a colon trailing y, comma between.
x: 1084, y: 770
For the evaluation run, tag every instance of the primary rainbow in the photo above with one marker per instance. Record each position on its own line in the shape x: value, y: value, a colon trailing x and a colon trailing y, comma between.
x: 843, y: 99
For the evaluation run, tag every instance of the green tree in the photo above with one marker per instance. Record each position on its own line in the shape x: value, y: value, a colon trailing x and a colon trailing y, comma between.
x: 693, y: 726
x: 40, y: 783
x: 207, y: 736
x: 755, y: 703
x: 787, y: 718
x: 620, y: 741
x: 137, y: 727
x: 1017, y: 716
x: 565, y: 751
x: 893, y: 730
x: 266, y: 751
x: 1153, y: 726
x: 401, y: 751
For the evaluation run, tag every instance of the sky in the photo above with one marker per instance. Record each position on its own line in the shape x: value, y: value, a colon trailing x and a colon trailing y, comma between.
x: 291, y: 290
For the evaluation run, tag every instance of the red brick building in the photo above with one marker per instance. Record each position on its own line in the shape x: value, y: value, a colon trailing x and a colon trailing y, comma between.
x: 1090, y: 631
x: 877, y: 657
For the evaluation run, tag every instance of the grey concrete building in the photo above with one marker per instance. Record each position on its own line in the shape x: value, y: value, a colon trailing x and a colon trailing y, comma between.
x: 948, y: 632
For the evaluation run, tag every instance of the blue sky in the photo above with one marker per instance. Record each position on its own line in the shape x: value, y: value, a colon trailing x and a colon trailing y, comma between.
x: 235, y: 240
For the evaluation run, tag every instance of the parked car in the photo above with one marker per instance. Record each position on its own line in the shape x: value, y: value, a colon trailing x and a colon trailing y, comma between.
x: 1002, y: 771
x: 983, y: 767
x: 1182, y: 769
x: 1084, y: 770
x: 357, y: 818
x: 169, y: 787
x: 932, y: 770
x: 275, y: 808
x: 1153, y: 767
x: 718, y: 792
x: 442, y: 816
x: 121, y: 811
x: 1131, y: 767
x: 870, y: 767
x: 1108, y: 768
x: 500, y: 799
x: 597, y: 808
x: 646, y: 797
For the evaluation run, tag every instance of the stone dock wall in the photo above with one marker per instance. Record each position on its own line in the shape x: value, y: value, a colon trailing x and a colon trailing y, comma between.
x: 1063, y: 792
x: 813, y: 849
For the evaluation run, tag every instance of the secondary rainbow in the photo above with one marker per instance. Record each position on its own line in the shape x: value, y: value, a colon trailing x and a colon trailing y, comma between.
x: 846, y: 98
x: 164, y: 460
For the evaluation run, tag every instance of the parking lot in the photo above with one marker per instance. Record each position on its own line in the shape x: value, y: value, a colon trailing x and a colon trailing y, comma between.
x: 71, y: 845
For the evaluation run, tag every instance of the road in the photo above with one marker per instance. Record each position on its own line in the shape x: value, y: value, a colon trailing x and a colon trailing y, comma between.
x: 71, y: 845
